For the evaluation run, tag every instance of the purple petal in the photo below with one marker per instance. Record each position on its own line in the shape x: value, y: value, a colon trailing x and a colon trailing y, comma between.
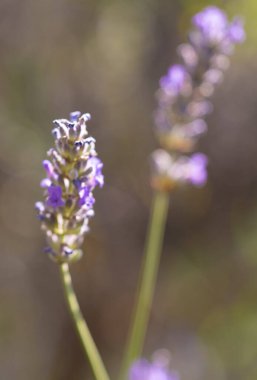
x: 39, y: 206
x: 86, y: 197
x: 49, y: 168
x: 212, y: 22
x: 74, y: 115
x: 197, y: 172
x: 45, y: 183
x: 144, y: 370
x: 96, y: 175
x: 139, y: 370
x: 236, y: 31
x: 55, y: 197
x: 175, y: 80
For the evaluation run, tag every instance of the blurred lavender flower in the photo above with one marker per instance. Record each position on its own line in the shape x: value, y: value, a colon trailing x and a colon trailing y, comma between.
x: 213, y: 25
x: 175, y: 81
x: 157, y: 370
x: 183, y: 97
x: 73, y: 170
x: 172, y: 171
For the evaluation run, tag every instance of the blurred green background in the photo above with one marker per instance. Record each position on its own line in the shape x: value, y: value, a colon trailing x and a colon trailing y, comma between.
x: 105, y: 57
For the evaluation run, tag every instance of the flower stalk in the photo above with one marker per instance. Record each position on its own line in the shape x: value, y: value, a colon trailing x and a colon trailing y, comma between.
x: 82, y: 329
x: 148, y: 280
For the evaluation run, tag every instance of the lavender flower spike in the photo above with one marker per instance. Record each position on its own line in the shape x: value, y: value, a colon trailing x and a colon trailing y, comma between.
x: 73, y: 171
x: 183, y: 96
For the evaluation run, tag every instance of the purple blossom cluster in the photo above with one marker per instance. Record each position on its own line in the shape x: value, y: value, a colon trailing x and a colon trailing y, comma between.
x: 73, y: 170
x: 182, y: 169
x: 183, y: 96
x: 144, y: 370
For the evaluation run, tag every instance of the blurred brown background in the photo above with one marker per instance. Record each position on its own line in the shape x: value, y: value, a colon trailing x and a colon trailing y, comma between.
x: 105, y: 57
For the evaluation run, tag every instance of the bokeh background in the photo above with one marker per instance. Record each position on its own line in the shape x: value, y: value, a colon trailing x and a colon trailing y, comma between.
x: 105, y: 57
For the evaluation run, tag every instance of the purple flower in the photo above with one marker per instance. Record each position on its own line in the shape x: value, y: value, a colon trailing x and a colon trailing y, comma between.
x: 86, y: 197
x: 144, y: 370
x: 215, y: 28
x: 212, y: 22
x: 74, y: 115
x: 73, y: 170
x: 96, y: 175
x: 45, y: 183
x: 39, y: 206
x: 48, y: 166
x: 236, y: 31
x: 183, y: 98
x: 175, y: 80
x: 55, y: 196
x: 196, y: 169
x: 170, y: 171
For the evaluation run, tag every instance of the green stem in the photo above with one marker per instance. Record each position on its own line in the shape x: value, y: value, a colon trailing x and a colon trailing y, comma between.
x: 81, y: 326
x: 148, y: 280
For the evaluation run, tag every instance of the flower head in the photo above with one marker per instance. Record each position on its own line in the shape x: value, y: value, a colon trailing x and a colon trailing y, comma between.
x: 73, y: 170
x: 183, y: 97
x: 215, y: 29
x: 213, y: 23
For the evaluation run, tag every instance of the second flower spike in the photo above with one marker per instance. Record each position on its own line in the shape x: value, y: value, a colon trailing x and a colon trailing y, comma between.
x: 183, y: 97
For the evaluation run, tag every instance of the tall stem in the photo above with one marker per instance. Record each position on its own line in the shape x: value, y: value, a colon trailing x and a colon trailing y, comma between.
x: 81, y: 326
x: 149, y: 272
